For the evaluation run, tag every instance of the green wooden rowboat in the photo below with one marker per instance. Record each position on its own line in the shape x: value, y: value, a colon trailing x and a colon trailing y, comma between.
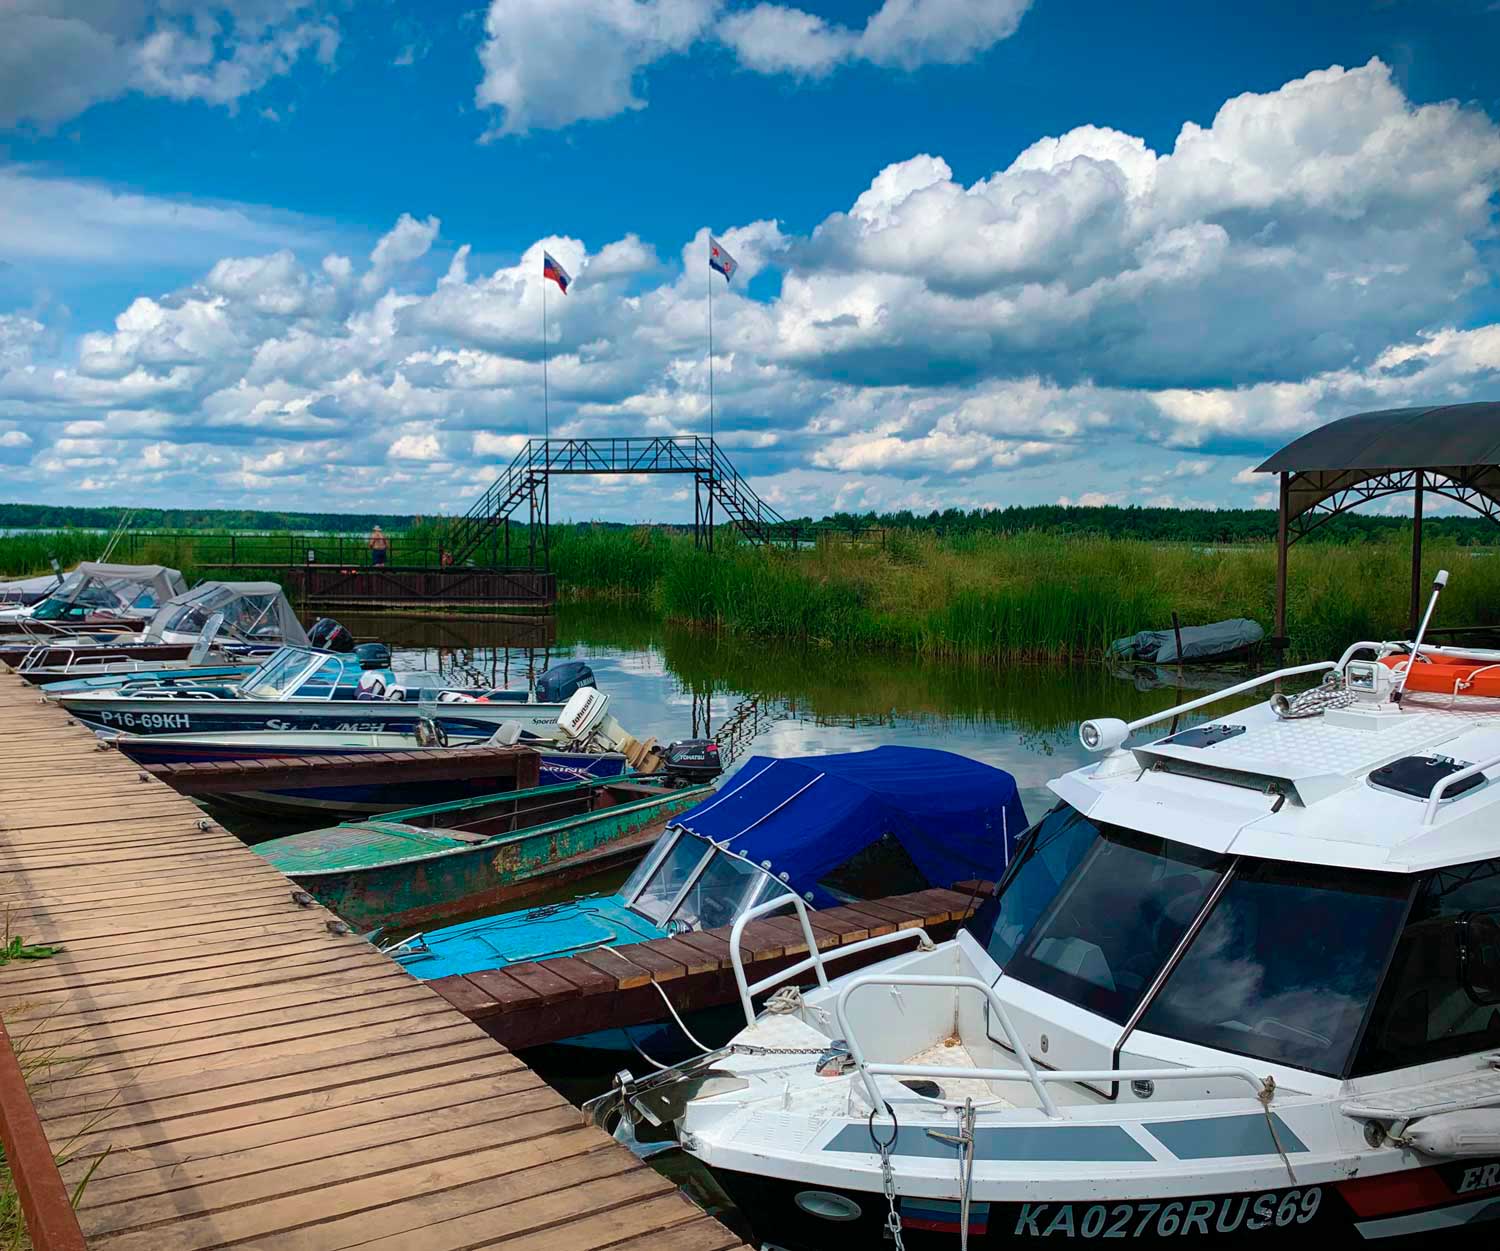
x: 446, y: 860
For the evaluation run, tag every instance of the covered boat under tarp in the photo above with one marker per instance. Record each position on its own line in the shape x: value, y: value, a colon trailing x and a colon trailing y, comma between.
x: 1223, y: 640
x: 96, y: 592
x: 950, y: 818
x: 253, y: 612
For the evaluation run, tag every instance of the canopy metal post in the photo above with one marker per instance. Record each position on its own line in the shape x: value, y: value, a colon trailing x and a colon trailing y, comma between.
x: 1416, y: 556
x: 1281, y: 543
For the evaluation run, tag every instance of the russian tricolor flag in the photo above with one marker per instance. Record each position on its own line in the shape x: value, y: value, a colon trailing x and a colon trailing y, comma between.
x: 551, y: 269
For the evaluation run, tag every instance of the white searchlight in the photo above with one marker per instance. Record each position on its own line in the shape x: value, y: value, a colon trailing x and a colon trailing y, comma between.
x: 1105, y: 734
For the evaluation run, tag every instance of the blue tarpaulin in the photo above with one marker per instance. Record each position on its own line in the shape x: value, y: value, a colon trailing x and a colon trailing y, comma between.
x: 956, y: 818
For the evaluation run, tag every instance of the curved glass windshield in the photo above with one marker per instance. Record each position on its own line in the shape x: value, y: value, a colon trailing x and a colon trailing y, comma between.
x: 1092, y: 912
x: 274, y: 678
x: 688, y: 881
x: 1286, y: 964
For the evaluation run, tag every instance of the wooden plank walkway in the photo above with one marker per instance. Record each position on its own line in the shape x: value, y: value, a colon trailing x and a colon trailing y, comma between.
x: 525, y: 1005
x: 238, y: 1075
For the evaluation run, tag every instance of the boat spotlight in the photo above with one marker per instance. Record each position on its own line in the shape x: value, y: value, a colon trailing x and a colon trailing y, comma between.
x: 1106, y: 734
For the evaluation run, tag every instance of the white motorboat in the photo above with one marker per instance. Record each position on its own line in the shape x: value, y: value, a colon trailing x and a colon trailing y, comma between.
x: 1241, y: 983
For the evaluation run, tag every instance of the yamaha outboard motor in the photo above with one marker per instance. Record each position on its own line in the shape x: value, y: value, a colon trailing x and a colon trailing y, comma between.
x: 561, y: 682
x: 691, y: 761
x: 372, y: 655
x: 318, y: 631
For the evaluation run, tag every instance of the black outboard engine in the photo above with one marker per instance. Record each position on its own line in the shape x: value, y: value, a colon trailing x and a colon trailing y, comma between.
x: 329, y: 636
x: 691, y: 761
x: 560, y: 683
x: 372, y: 655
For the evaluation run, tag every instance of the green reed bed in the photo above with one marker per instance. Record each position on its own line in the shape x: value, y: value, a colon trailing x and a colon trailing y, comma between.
x: 1025, y: 596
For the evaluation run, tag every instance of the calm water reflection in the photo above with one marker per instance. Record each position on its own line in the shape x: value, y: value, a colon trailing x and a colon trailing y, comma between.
x: 782, y: 700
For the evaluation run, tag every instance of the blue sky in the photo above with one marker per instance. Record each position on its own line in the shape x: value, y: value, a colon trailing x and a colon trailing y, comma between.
x: 229, y: 234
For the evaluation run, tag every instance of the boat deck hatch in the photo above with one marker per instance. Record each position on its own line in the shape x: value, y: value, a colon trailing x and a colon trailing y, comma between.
x: 1415, y: 776
x: 1205, y: 735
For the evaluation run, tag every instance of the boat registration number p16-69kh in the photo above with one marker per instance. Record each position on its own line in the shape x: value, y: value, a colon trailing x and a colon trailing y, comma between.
x: 147, y: 720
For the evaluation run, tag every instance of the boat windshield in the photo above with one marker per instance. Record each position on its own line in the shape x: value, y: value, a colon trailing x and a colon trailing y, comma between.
x: 693, y: 885
x: 1286, y: 964
x: 278, y: 675
x: 1091, y: 913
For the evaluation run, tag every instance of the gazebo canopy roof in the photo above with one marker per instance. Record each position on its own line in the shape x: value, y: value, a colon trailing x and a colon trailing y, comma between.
x: 1446, y: 437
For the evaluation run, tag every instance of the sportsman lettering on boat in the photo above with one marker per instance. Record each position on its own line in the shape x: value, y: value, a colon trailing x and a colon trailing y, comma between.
x: 379, y: 546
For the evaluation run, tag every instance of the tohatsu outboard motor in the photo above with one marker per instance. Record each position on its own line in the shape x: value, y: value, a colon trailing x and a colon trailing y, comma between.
x: 691, y: 761
x: 560, y: 683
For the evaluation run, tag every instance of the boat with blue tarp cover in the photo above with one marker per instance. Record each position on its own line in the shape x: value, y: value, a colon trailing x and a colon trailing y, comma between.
x: 830, y: 829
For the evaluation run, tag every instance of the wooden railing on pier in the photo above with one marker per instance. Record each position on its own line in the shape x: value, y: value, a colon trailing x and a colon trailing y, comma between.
x: 525, y: 1005
x: 45, y: 1203
x: 236, y: 1070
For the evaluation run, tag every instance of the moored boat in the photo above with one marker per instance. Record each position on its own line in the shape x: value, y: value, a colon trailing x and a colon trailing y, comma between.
x: 390, y: 789
x: 98, y: 594
x: 440, y: 861
x: 1241, y: 983
x: 304, y: 688
x: 827, y: 829
x: 214, y: 623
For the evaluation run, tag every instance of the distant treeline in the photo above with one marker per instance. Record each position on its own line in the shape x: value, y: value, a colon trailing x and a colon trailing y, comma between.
x: 59, y: 516
x: 1159, y: 525
x: 1177, y: 525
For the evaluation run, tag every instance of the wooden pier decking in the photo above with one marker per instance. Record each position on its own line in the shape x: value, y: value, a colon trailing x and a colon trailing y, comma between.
x: 526, y: 1005
x: 237, y: 1073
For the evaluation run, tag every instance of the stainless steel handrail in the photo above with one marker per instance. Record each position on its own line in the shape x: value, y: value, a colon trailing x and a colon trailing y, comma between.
x: 1038, y: 1079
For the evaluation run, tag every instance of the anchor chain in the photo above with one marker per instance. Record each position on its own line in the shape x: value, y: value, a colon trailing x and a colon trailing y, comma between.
x: 888, y: 1176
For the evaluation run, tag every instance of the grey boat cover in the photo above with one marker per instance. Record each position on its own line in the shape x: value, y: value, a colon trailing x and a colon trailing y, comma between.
x: 29, y: 590
x: 120, y: 586
x: 254, y: 612
x: 1199, y: 643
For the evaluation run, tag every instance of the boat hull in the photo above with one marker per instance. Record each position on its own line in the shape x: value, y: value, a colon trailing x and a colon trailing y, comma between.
x: 390, y: 794
x: 468, y: 879
x: 135, y: 715
x: 1400, y: 1210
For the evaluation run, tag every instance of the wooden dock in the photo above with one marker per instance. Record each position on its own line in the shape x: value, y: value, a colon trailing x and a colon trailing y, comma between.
x: 234, y: 1072
x: 525, y: 1005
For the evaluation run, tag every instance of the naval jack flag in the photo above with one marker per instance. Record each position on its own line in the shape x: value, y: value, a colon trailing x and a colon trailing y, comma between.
x: 719, y: 259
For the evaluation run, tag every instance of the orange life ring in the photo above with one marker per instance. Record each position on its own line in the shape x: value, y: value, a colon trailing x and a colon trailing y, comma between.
x: 1449, y: 673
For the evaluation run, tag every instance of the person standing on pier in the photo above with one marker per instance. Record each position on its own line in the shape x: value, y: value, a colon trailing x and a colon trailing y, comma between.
x: 379, y: 546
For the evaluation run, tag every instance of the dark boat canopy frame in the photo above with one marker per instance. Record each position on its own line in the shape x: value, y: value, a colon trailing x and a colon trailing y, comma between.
x: 1452, y: 450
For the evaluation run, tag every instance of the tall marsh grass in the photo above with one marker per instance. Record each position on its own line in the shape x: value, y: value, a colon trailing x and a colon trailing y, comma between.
x: 1030, y: 595
x: 1025, y: 596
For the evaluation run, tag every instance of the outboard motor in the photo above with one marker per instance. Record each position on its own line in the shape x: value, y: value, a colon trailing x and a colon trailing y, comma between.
x: 560, y: 683
x: 372, y: 655
x: 329, y: 636
x: 691, y: 761
x: 318, y: 631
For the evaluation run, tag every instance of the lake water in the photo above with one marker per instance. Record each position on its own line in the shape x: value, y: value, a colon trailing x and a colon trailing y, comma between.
x: 775, y: 699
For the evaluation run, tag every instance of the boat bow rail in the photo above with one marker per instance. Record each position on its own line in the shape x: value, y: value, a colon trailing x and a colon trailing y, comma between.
x: 815, y: 960
x: 1038, y: 1079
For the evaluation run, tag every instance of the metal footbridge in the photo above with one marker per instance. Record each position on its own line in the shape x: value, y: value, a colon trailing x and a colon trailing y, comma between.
x: 526, y: 481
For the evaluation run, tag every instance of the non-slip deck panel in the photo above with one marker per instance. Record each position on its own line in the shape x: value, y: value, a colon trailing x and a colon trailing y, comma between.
x: 234, y: 1074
